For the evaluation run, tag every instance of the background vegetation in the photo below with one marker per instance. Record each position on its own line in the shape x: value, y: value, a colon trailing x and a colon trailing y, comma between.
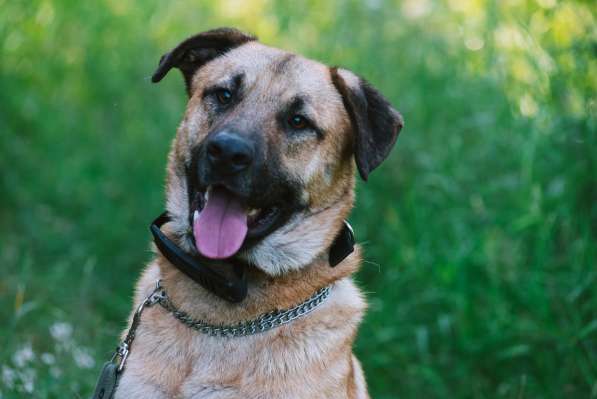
x: 480, y: 231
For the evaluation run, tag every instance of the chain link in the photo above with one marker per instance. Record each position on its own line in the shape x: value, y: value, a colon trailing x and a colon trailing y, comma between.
x: 261, y: 324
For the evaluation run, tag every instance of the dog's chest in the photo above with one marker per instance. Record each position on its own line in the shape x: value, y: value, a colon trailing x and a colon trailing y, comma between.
x: 298, y: 361
x: 282, y: 363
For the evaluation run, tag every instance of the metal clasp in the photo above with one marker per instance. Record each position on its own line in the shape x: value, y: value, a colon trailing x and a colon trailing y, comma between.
x: 123, y: 350
x: 122, y: 353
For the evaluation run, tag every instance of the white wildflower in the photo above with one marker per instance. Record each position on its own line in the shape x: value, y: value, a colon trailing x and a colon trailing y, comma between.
x: 48, y: 358
x: 83, y: 358
x: 56, y: 372
x: 8, y: 377
x: 61, y: 331
x: 27, y: 380
x: 23, y: 355
x: 28, y: 386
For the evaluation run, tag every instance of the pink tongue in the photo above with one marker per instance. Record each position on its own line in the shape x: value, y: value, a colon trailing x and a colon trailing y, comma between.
x: 221, y: 227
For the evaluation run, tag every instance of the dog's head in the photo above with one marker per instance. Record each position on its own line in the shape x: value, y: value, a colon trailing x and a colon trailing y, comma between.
x: 262, y: 165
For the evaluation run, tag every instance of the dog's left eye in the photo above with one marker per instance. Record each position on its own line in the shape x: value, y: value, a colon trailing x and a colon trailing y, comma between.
x: 224, y: 96
x: 298, y: 122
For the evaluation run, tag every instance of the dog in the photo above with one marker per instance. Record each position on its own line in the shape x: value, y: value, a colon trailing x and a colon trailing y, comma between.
x: 261, y: 173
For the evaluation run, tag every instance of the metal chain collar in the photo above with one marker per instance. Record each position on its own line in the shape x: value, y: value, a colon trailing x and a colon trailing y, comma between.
x: 263, y: 323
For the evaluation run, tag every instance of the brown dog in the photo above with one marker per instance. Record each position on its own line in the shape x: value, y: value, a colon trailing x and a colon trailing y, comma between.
x: 261, y: 172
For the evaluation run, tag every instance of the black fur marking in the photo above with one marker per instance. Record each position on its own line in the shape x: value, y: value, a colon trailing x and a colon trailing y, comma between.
x: 297, y: 106
x: 282, y: 64
x: 197, y: 50
x: 375, y: 123
x: 234, y: 85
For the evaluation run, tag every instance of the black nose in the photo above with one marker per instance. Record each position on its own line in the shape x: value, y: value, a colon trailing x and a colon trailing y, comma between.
x: 229, y: 153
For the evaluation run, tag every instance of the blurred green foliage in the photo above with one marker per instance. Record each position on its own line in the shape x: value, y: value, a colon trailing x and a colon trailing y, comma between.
x: 479, y: 232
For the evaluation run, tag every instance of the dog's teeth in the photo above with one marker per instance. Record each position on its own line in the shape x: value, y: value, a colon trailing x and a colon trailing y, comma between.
x: 253, y: 212
x: 206, y: 195
x: 195, y: 216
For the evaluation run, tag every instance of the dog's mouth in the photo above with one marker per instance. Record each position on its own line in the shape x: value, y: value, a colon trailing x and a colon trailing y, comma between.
x: 223, y: 221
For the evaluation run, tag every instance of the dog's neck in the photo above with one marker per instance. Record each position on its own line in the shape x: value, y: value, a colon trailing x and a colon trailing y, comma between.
x: 265, y: 293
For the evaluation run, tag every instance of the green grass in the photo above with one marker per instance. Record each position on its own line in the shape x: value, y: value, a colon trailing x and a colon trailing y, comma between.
x: 479, y: 232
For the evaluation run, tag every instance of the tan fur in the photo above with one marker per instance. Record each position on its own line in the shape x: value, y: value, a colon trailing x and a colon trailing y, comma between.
x: 310, y: 357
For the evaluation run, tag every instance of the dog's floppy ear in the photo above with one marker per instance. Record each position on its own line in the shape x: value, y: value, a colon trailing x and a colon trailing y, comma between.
x: 375, y: 122
x: 197, y: 50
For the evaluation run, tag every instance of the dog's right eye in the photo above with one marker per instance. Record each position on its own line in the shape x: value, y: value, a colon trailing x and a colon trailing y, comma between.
x: 298, y: 122
x: 224, y: 96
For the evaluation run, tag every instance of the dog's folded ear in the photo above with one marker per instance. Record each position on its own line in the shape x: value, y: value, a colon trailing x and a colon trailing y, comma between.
x: 197, y: 50
x: 375, y: 122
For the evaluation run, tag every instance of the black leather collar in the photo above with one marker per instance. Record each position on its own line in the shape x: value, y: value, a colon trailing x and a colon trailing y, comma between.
x: 230, y: 283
